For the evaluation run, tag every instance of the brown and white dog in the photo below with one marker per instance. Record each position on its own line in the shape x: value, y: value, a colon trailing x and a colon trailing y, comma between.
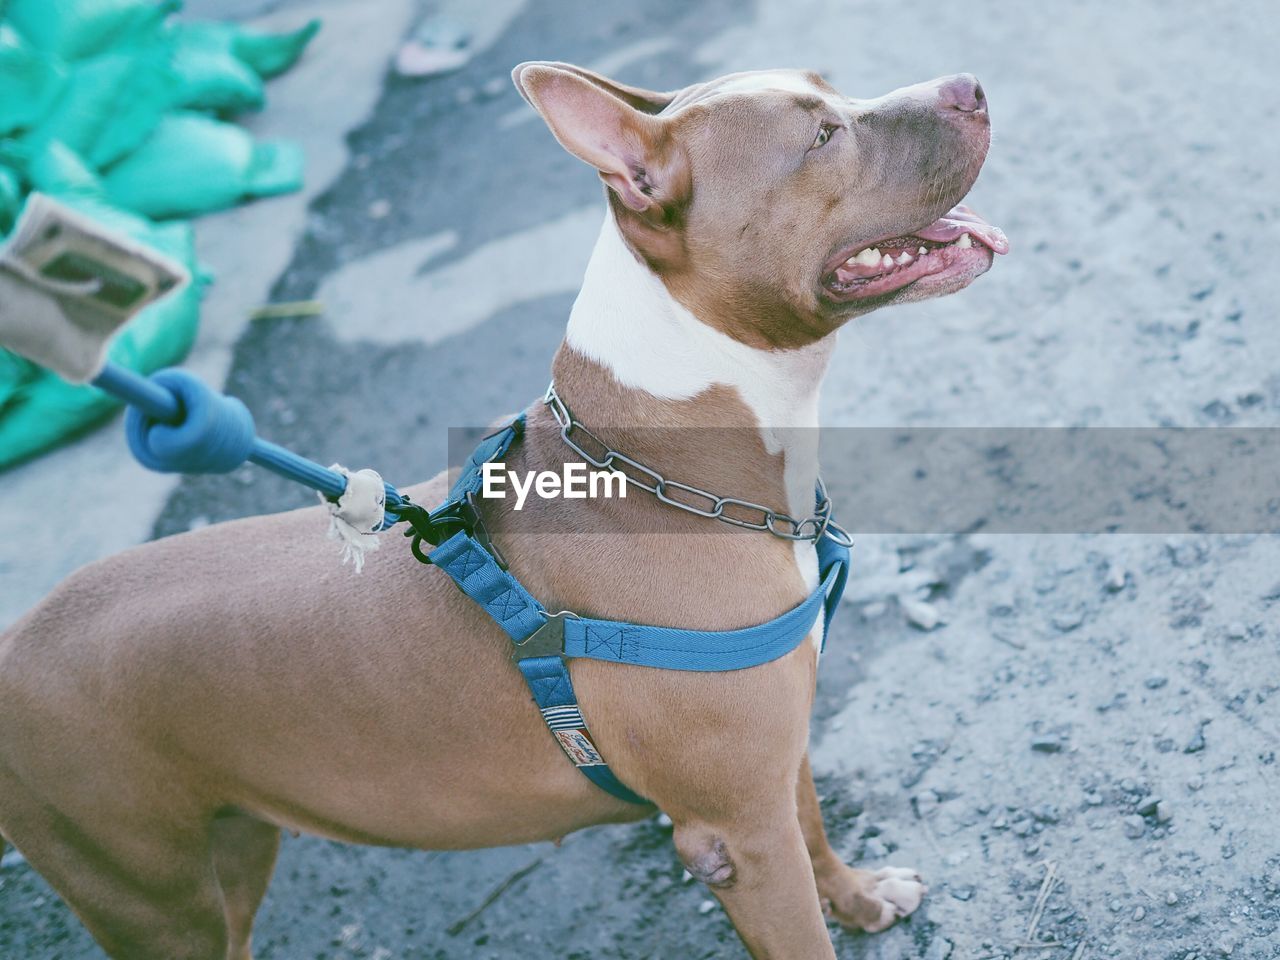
x: 166, y: 711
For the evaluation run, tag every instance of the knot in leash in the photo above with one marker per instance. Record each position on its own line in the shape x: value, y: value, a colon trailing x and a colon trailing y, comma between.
x: 356, y: 517
x: 212, y: 434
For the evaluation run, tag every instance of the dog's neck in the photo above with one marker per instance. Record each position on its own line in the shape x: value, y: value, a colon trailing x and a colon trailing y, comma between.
x: 626, y: 321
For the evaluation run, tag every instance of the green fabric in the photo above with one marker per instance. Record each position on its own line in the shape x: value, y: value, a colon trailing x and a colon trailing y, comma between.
x: 110, y: 104
x: 221, y: 66
x: 29, y: 81
x: 271, y: 54
x: 193, y: 164
x: 209, y: 76
x: 72, y: 29
x: 105, y: 105
x: 10, y: 198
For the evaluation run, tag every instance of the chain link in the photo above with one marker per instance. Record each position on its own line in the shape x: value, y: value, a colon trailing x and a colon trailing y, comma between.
x: 731, y: 510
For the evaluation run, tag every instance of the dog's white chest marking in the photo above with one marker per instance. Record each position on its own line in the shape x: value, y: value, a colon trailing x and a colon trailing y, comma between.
x: 627, y: 320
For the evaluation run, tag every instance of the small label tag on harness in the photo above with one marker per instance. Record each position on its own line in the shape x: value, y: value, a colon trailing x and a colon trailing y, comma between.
x: 568, y: 727
x: 578, y: 747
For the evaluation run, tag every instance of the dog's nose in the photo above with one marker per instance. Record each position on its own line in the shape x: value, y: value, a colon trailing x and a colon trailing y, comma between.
x: 962, y: 93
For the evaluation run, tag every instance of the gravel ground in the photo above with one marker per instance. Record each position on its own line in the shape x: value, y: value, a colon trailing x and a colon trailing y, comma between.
x: 1080, y: 754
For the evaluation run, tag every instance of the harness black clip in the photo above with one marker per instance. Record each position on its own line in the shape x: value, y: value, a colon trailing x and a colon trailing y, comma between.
x: 436, y: 527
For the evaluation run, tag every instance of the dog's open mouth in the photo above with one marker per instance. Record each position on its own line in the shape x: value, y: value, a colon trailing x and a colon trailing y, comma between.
x: 960, y: 244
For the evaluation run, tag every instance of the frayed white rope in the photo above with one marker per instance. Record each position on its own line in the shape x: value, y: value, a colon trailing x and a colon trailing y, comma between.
x: 357, y: 516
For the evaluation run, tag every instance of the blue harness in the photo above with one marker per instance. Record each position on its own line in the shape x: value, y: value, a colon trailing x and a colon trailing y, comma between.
x: 175, y: 423
x: 544, y: 641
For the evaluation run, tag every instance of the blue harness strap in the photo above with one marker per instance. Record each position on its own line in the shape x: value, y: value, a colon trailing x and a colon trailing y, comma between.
x: 548, y: 678
x: 477, y: 574
x: 545, y: 641
x: 672, y: 648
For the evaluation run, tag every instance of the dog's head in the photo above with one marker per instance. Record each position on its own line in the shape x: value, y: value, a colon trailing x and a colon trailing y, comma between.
x: 772, y: 206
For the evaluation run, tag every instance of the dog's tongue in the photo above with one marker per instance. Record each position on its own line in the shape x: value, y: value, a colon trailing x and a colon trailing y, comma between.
x: 960, y: 219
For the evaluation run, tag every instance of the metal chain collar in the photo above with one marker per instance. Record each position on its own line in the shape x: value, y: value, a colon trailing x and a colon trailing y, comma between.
x: 699, y: 502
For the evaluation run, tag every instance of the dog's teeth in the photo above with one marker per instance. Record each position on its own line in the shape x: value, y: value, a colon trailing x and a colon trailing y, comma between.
x: 887, y: 261
x: 904, y: 258
x: 922, y: 251
x: 965, y: 242
x: 867, y: 258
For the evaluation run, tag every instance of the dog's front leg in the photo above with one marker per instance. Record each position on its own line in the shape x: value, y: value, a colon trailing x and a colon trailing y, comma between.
x: 861, y: 899
x: 758, y: 867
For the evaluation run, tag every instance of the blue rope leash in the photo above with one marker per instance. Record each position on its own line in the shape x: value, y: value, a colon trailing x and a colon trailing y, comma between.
x: 177, y: 424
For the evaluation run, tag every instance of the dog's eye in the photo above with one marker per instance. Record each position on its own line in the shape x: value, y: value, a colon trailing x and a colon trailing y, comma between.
x: 824, y: 134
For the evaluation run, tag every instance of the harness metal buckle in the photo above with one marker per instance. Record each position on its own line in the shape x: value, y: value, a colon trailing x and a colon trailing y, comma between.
x: 547, y: 640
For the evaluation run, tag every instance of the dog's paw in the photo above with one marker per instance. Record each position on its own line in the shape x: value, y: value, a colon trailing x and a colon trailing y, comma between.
x: 899, y: 891
x: 874, y: 900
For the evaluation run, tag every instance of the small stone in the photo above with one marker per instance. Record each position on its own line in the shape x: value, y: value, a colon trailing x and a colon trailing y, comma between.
x: 1022, y: 827
x: 706, y: 906
x: 919, y: 613
x: 1164, y: 812
x: 1046, y: 745
x: 686, y: 877
x: 1067, y: 620
x: 1032, y: 848
x: 1046, y: 813
x: 1134, y: 827
x: 1093, y: 799
x: 1237, y: 630
x: 1195, y: 783
x: 1116, y: 906
x: 1116, y: 578
x: 1156, y: 682
x: 874, y: 610
x: 926, y: 803
x: 664, y: 821
x: 1147, y: 807
x: 963, y: 894
x: 1139, y: 914
x: 1171, y: 898
x: 1197, y: 741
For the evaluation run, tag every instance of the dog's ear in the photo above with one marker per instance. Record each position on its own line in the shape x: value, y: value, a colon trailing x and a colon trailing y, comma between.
x: 601, y: 123
x: 638, y: 98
